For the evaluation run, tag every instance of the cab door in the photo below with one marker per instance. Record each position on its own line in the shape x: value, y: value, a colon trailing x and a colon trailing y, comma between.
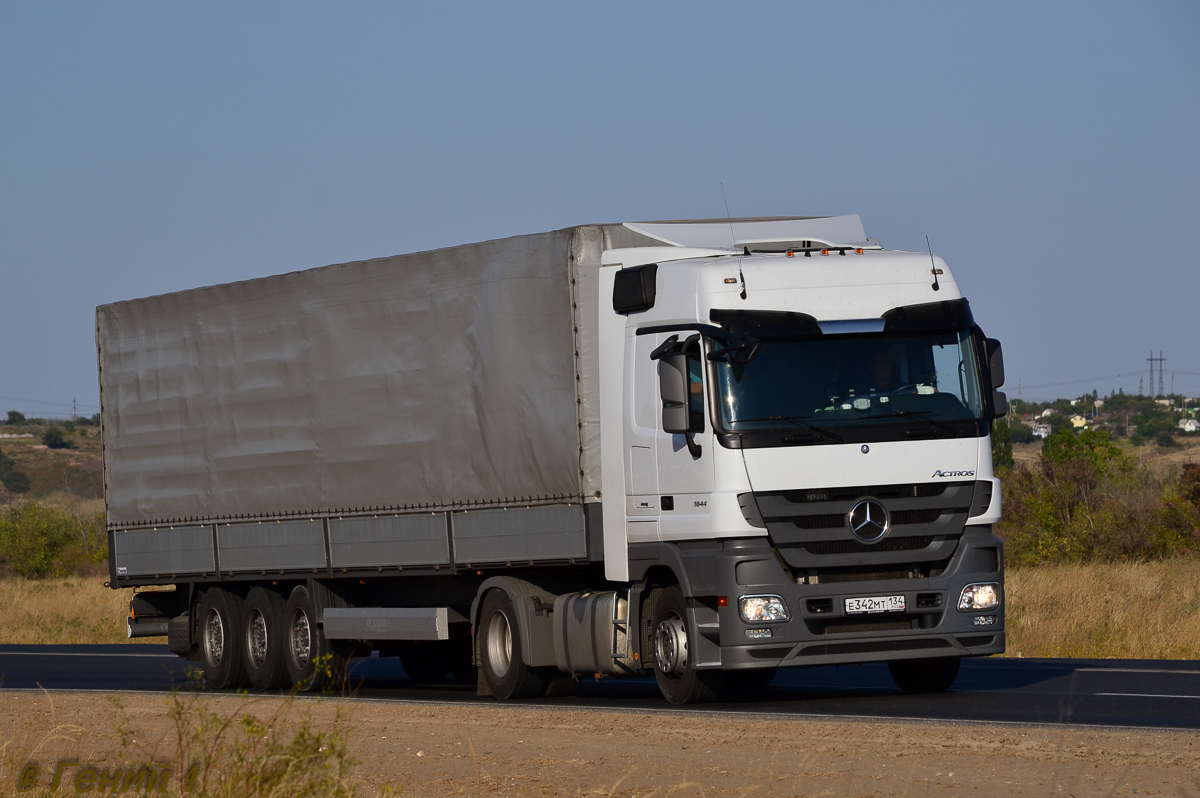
x: 641, y: 439
x: 685, y: 472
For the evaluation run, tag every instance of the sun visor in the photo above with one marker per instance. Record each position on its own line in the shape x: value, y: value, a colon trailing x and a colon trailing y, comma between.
x: 951, y: 314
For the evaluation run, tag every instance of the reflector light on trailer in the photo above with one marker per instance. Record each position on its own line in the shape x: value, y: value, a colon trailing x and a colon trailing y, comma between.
x: 722, y: 601
x: 824, y: 252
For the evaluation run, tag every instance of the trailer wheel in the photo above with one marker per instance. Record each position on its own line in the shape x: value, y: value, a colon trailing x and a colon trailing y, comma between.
x: 674, y: 669
x: 264, y: 639
x: 500, y: 651
x: 925, y: 675
x: 312, y: 663
x: 222, y: 617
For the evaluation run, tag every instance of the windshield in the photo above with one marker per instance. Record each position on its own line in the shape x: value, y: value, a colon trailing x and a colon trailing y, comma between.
x: 833, y: 381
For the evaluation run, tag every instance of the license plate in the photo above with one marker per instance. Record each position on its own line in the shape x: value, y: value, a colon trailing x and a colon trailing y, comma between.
x: 854, y: 606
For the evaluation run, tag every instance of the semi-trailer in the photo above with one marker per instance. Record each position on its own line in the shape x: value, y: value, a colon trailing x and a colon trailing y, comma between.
x: 704, y: 450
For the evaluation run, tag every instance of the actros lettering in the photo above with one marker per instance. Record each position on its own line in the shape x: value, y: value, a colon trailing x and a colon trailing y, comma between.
x: 940, y: 473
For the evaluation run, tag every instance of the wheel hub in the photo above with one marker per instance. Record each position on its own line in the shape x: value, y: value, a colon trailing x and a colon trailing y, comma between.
x: 214, y: 638
x: 671, y: 646
x: 499, y: 644
x: 301, y: 639
x: 256, y: 633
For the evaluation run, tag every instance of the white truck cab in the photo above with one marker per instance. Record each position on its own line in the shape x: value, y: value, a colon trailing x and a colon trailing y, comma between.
x: 801, y: 428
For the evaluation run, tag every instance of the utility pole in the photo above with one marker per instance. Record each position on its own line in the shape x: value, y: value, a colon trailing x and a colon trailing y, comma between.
x: 1152, y: 360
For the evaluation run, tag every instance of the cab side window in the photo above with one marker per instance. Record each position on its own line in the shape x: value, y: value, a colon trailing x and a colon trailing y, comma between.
x: 696, y: 409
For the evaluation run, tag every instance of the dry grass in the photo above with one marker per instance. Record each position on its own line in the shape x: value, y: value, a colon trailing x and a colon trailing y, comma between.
x: 1131, y: 610
x: 75, y: 610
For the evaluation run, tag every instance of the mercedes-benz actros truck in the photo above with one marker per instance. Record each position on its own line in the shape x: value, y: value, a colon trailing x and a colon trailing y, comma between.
x: 701, y: 450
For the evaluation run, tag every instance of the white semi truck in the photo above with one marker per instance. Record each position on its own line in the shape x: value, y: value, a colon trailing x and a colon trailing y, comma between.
x: 704, y: 450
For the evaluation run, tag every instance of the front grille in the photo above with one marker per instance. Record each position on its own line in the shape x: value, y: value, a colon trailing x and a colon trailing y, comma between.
x: 919, y: 491
x: 916, y: 516
x: 770, y: 653
x: 982, y: 640
x: 867, y: 626
x: 867, y: 647
x: 854, y: 547
x: 830, y: 521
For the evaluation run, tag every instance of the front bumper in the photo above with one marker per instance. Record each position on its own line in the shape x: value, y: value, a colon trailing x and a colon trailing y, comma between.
x: 820, y: 632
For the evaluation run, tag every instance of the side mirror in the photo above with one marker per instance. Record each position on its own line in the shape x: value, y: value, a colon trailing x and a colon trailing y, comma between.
x: 999, y: 404
x: 673, y: 388
x: 995, y: 361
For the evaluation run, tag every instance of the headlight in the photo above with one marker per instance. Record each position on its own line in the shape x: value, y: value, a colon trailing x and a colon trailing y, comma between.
x: 755, y: 609
x: 980, y: 597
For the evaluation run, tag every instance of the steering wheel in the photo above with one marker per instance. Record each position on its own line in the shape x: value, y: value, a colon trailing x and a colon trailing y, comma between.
x: 911, y: 388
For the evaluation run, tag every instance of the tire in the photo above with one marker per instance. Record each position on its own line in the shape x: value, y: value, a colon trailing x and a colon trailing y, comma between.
x: 675, y: 671
x: 263, y: 639
x: 222, y: 626
x: 312, y: 663
x: 925, y: 675
x: 507, y: 676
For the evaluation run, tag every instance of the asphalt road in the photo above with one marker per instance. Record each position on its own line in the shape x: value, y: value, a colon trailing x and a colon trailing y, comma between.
x: 1134, y: 693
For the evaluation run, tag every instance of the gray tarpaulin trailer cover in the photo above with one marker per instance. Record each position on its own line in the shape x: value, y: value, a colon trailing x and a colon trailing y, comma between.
x: 457, y: 378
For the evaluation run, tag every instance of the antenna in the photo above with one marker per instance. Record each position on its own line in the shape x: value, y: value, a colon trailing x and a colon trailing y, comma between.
x: 733, y: 240
x: 932, y: 266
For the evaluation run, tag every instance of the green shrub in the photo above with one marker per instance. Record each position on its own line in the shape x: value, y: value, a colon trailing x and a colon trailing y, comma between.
x: 1021, y: 433
x: 1090, y: 501
x: 1002, y: 456
x: 10, y: 477
x: 37, y: 541
x: 53, y: 439
x: 15, y: 418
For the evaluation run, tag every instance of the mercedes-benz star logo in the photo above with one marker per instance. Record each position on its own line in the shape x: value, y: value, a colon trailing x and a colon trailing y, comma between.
x: 869, y: 521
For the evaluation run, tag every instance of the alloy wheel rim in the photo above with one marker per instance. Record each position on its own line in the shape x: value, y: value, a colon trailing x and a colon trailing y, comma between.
x: 301, y: 639
x: 256, y: 634
x: 671, y: 645
x: 499, y: 647
x: 214, y: 638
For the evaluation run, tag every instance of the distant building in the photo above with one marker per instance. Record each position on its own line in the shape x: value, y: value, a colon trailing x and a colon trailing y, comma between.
x: 1189, y: 425
x: 1099, y: 403
x: 1078, y: 421
x: 1046, y: 413
x: 1164, y: 402
x: 1041, y: 430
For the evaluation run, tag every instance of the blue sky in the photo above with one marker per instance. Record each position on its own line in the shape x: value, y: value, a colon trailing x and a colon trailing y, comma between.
x: 1049, y: 151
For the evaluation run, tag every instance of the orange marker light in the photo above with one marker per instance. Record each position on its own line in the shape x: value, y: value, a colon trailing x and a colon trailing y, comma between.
x: 730, y: 280
x: 824, y: 252
x: 791, y: 254
x: 722, y: 601
x: 859, y: 250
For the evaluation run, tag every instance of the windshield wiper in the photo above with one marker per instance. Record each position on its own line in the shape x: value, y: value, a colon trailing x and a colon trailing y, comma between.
x: 922, y: 416
x: 797, y: 421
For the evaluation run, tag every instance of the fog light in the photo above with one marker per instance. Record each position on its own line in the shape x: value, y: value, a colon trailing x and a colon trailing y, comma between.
x: 762, y: 608
x: 980, y: 597
x: 758, y: 634
x: 984, y: 620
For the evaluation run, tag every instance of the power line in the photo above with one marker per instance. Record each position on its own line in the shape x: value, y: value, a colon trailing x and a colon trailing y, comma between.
x: 48, y: 403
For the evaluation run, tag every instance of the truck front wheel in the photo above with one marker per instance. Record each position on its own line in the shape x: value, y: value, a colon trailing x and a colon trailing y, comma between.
x: 222, y: 619
x: 506, y: 674
x: 311, y: 662
x: 674, y: 668
x: 925, y: 675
